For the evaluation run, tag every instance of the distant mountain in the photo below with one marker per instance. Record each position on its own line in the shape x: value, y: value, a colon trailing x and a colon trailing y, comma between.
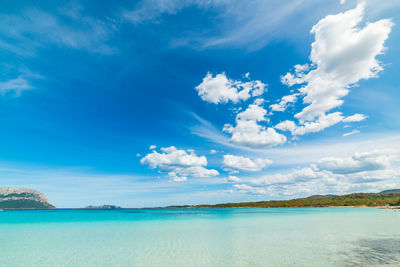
x: 23, y: 198
x: 390, y: 191
x: 103, y: 207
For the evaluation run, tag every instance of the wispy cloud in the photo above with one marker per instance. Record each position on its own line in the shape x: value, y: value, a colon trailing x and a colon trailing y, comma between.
x: 19, y: 84
x: 152, y: 9
x: 351, y: 133
x: 33, y: 28
x: 248, y: 24
x: 206, y: 130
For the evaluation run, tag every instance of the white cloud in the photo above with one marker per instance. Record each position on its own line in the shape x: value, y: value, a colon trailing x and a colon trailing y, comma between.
x: 19, y: 84
x: 253, y: 112
x: 179, y: 164
x: 287, y: 126
x: 221, y: 89
x: 151, y: 9
x: 176, y: 178
x: 213, y: 151
x: 289, y: 156
x: 152, y: 147
x: 249, y: 132
x: 342, y: 54
x: 33, y: 28
x: 232, y: 179
x: 16, y: 85
x: 284, y: 102
x: 179, y: 174
x: 351, y: 133
x: 244, y: 188
x: 173, y: 156
x: 248, y: 24
x: 245, y: 164
x: 359, y: 162
x: 367, y: 171
x: 298, y: 77
x: 309, y: 181
x: 303, y: 174
x: 323, y: 121
x: 355, y: 118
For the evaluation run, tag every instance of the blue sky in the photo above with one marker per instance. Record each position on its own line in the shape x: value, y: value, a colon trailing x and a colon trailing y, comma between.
x: 153, y: 103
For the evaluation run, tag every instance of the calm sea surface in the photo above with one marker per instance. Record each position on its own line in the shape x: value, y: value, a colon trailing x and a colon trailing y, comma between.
x: 201, y: 237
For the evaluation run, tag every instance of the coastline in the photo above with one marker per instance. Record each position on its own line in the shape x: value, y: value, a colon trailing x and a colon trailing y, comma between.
x: 201, y: 207
x: 389, y: 199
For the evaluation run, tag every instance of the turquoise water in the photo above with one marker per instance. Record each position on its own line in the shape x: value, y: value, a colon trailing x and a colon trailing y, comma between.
x: 201, y: 237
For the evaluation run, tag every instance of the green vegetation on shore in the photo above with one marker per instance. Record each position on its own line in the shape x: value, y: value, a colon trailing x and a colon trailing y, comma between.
x: 30, y: 199
x: 23, y: 198
x: 24, y: 204
x: 385, y: 198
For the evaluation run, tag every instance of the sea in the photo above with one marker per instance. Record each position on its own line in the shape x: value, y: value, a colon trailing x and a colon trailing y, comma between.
x: 338, y: 236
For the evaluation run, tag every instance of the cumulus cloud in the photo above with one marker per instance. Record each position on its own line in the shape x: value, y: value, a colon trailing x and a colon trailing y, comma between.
x: 309, y: 181
x: 213, y: 151
x: 245, y: 164
x: 284, y: 102
x: 179, y: 164
x: 342, y: 54
x: 301, y: 175
x: 249, y: 132
x: 221, y: 89
x: 152, y: 147
x: 244, y: 188
x: 366, y: 171
x: 355, y: 118
x: 323, y: 121
x: 232, y: 179
x: 359, y: 162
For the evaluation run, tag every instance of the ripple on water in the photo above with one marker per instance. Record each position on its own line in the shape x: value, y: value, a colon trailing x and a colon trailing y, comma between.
x: 373, y: 252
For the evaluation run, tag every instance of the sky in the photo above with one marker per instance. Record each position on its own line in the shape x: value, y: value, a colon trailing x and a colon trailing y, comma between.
x: 155, y: 103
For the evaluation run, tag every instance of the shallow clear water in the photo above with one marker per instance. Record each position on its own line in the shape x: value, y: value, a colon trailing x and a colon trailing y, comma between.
x: 201, y: 237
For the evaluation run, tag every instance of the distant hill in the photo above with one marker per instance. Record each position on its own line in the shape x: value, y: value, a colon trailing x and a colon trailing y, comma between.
x: 390, y: 191
x: 23, y: 198
x: 320, y: 196
x: 385, y: 198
